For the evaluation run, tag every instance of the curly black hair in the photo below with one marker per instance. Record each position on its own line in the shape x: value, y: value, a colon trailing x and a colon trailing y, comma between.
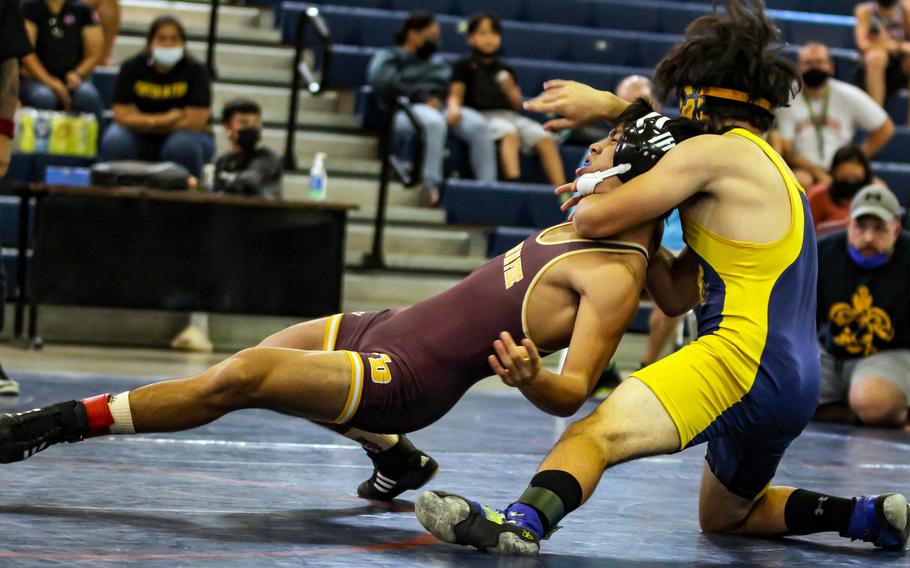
x: 732, y: 49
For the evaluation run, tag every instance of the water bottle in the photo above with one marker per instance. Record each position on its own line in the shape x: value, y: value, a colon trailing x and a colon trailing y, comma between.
x: 43, y: 132
x: 318, y: 178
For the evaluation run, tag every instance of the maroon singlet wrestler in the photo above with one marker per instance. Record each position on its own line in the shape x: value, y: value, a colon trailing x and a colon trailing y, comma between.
x: 373, y: 376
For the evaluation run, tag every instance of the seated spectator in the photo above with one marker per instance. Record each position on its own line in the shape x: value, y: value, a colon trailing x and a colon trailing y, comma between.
x: 413, y: 69
x: 109, y: 15
x: 881, y: 38
x: 247, y: 168
x: 830, y: 201
x: 68, y: 43
x: 825, y: 117
x: 864, y: 315
x: 481, y: 81
x: 161, y: 103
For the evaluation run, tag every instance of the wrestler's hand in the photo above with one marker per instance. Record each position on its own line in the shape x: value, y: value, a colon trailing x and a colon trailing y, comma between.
x: 516, y: 365
x: 577, y: 103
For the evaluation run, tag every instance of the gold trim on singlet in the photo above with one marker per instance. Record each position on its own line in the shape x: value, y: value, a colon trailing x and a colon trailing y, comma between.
x: 355, y: 391
x: 554, y: 260
x: 331, y: 332
x: 608, y: 242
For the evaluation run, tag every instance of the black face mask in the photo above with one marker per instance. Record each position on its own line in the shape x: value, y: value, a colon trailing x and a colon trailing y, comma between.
x: 427, y: 50
x: 248, y: 137
x: 815, y: 77
x: 842, y: 190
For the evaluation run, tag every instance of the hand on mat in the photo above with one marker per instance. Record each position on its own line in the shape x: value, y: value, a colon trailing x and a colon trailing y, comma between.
x: 516, y: 365
x: 576, y: 102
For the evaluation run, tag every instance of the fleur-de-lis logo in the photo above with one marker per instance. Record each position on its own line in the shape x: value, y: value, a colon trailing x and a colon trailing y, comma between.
x: 861, y: 323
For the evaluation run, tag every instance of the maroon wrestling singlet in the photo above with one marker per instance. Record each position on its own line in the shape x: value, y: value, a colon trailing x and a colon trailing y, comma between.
x: 411, y: 365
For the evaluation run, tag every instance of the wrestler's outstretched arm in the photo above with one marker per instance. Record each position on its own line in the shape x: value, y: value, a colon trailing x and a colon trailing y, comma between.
x: 578, y: 104
x: 604, y: 312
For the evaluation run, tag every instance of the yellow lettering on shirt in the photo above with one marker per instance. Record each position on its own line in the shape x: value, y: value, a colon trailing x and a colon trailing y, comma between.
x: 511, y: 266
x: 147, y: 90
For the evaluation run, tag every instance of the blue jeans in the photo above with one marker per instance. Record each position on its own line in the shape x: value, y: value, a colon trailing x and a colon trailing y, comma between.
x: 192, y: 150
x: 85, y: 97
x: 472, y: 129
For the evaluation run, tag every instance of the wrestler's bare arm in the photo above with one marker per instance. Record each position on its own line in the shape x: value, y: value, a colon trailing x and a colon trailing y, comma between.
x: 608, y: 302
x: 672, y: 281
x: 685, y: 170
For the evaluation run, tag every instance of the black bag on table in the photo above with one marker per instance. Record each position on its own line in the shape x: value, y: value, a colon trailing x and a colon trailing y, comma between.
x: 157, y: 175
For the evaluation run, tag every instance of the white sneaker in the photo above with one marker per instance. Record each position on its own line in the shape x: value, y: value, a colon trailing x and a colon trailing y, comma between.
x: 192, y: 339
x: 9, y: 387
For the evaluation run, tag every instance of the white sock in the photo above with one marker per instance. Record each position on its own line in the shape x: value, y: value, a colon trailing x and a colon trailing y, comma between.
x: 372, y: 442
x: 123, y: 416
x: 200, y: 320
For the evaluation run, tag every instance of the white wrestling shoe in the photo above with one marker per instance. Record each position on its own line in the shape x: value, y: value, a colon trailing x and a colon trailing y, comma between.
x: 192, y: 339
x: 9, y: 387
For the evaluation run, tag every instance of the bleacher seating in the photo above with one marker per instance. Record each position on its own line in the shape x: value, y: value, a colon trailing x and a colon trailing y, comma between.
x: 594, y: 41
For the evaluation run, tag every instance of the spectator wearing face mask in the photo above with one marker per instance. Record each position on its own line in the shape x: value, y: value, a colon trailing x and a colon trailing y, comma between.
x: 247, y: 168
x: 864, y: 315
x: 825, y: 116
x: 881, y: 35
x: 413, y: 69
x: 161, y: 104
x: 830, y: 201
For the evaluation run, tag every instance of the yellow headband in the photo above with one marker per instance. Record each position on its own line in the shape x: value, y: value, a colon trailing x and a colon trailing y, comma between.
x: 692, y: 101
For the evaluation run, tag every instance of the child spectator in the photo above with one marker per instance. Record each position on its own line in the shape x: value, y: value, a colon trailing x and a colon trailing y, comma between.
x: 247, y: 168
x: 161, y: 103
x: 483, y: 82
x: 68, y: 42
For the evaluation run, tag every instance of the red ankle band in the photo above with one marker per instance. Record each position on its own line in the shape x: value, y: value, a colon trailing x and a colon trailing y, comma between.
x: 99, y: 414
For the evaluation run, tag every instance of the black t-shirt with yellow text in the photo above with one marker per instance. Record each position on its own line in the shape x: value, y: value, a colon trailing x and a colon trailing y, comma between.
x: 187, y: 84
x: 862, y: 311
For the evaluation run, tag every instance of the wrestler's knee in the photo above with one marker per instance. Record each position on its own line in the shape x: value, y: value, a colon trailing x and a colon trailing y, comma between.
x: 605, y: 433
x: 237, y: 381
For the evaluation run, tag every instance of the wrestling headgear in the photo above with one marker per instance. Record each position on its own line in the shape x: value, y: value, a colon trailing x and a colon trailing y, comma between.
x: 692, y: 101
x: 642, y: 144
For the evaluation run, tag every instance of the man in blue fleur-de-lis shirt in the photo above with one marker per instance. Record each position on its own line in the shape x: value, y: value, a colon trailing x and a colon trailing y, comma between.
x: 864, y: 315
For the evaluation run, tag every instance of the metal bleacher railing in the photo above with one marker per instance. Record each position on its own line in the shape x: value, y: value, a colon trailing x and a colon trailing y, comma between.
x: 212, y: 39
x: 313, y: 79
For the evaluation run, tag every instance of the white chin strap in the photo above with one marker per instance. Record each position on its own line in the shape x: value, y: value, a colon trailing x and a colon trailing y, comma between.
x: 587, y: 182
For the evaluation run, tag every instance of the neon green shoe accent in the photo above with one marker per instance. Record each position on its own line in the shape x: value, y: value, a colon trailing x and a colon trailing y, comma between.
x: 492, y: 515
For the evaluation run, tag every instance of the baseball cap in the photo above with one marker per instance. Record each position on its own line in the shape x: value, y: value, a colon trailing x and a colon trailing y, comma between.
x: 876, y: 200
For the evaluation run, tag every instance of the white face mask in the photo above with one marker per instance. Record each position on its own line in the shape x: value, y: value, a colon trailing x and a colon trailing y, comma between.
x: 167, y: 56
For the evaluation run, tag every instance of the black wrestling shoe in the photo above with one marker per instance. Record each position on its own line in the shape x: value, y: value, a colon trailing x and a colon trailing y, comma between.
x: 25, y: 434
x: 457, y: 520
x: 396, y: 470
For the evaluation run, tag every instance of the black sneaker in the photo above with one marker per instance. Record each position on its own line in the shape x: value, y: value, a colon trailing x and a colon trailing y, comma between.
x: 25, y: 434
x: 457, y: 520
x: 396, y: 470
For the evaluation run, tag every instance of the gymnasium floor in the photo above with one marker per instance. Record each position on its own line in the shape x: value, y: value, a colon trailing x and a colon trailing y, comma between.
x: 259, y: 489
